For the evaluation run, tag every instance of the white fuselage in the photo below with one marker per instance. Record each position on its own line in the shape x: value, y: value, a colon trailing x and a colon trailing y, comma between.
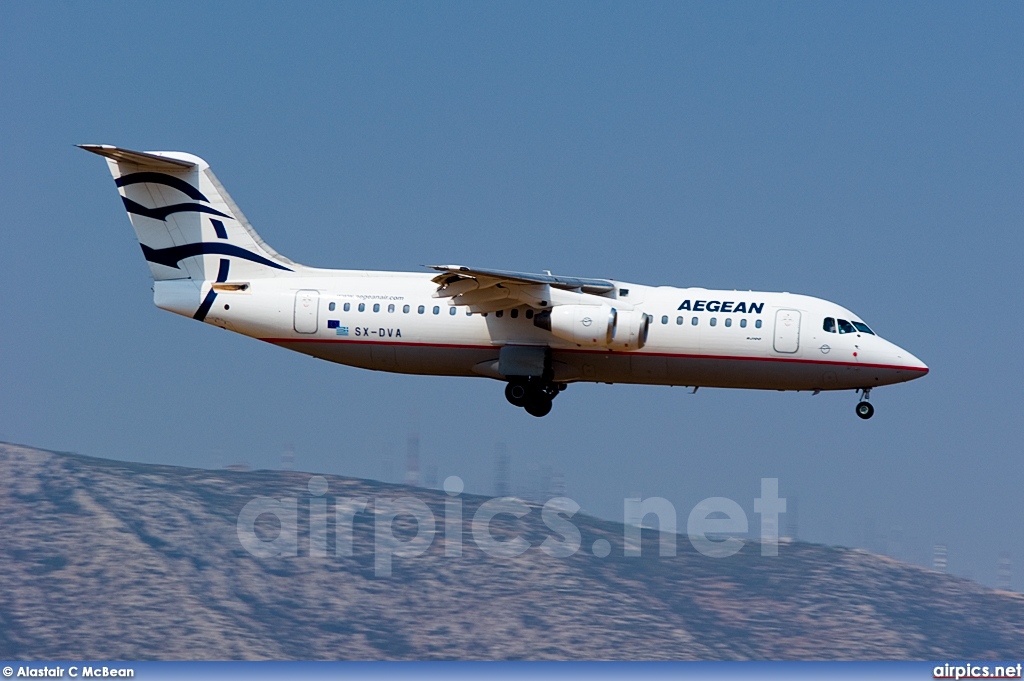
x: 393, y: 321
x: 536, y: 332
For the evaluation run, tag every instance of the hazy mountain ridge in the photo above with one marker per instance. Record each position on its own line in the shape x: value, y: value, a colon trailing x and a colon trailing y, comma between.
x: 107, y: 559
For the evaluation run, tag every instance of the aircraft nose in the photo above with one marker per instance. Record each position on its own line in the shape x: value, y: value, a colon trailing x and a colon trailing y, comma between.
x: 911, y: 362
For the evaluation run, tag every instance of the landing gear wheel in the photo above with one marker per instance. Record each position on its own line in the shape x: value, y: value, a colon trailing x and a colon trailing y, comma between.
x: 865, y: 410
x: 516, y: 394
x: 539, y: 405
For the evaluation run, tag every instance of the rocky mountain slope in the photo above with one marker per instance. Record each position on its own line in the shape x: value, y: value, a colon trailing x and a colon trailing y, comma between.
x: 104, y: 559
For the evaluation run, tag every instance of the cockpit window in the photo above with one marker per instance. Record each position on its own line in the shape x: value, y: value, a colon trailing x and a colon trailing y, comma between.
x: 830, y: 325
x: 846, y: 327
x: 863, y: 328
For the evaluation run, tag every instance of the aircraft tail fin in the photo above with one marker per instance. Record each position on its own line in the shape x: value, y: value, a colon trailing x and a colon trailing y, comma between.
x: 187, y: 224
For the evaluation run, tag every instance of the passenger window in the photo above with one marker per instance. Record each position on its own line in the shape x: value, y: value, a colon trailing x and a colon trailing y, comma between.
x: 829, y: 325
x: 437, y: 310
x: 331, y: 307
x: 529, y: 314
x: 362, y: 307
x: 846, y: 327
x: 420, y: 309
x: 514, y: 313
x: 469, y: 313
x: 694, y: 321
x: 743, y: 323
x: 452, y: 310
x: 863, y: 328
x: 499, y: 313
x: 391, y: 308
x: 376, y: 307
x: 664, y: 319
x: 758, y: 323
x: 347, y: 307
x: 728, y: 321
x: 713, y: 321
x: 405, y: 309
x: 679, y: 321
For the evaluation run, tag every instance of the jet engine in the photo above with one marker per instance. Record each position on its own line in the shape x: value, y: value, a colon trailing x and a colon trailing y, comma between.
x: 596, y: 326
x: 631, y: 330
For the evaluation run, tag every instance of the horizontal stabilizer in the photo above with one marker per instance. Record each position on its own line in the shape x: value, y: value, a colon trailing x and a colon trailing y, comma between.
x: 137, y: 157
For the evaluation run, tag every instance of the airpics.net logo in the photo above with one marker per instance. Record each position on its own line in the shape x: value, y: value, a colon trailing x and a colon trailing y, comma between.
x: 713, y: 526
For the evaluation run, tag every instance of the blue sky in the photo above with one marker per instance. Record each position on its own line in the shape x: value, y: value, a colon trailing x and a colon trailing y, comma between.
x: 867, y: 153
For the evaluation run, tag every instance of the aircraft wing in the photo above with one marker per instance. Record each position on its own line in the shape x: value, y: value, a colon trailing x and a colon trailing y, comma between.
x: 485, y: 278
x: 486, y: 290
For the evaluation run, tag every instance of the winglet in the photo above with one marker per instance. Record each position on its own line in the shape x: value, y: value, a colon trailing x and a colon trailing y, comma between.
x: 138, y: 157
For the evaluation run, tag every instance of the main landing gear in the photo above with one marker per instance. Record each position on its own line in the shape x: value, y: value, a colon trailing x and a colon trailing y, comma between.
x: 533, y: 395
x: 864, y: 408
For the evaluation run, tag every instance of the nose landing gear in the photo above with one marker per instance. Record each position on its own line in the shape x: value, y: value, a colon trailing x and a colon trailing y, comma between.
x: 535, y: 396
x: 864, y: 408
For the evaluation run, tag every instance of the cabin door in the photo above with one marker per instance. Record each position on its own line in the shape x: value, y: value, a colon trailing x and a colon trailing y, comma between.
x: 307, y: 304
x: 787, y: 331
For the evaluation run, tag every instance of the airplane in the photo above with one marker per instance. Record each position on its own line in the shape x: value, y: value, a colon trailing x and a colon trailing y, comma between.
x: 537, y: 333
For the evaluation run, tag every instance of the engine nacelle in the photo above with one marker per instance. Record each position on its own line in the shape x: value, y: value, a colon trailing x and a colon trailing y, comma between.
x: 588, y: 325
x: 596, y: 326
x: 630, y: 331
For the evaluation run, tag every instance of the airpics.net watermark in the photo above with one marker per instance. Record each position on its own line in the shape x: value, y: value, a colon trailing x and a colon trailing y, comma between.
x: 712, y: 526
